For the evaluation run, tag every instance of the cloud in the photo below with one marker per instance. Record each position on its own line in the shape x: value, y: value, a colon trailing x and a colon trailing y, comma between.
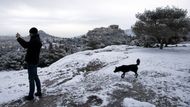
x: 75, y: 17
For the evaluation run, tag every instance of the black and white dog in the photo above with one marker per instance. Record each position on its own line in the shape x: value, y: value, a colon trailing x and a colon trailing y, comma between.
x: 127, y: 68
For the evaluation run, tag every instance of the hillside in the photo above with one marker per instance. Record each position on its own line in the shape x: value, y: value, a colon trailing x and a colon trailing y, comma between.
x: 55, y: 48
x: 87, y: 79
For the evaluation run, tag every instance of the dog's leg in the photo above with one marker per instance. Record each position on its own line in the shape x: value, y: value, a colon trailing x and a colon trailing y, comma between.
x: 136, y: 74
x: 123, y: 75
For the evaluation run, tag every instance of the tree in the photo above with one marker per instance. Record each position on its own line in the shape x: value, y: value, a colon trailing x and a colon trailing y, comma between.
x: 162, y: 25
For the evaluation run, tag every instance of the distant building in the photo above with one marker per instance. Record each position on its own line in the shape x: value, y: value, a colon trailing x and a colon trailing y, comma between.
x: 114, y: 26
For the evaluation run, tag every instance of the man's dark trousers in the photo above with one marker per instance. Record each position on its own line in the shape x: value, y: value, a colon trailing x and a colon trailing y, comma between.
x: 33, y: 78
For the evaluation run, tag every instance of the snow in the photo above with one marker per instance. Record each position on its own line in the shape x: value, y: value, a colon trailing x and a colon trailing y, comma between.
x: 165, y: 72
x: 13, y: 85
x: 129, y: 102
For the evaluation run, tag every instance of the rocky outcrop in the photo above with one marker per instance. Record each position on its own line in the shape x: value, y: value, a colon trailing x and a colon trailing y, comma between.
x: 104, y: 36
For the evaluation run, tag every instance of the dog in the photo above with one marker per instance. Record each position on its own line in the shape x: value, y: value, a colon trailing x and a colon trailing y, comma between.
x: 127, y: 68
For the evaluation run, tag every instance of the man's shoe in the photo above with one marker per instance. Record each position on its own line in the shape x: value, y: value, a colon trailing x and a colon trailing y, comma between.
x: 38, y: 94
x: 28, y: 97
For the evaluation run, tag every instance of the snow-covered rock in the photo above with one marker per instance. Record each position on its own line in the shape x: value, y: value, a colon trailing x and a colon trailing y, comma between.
x: 129, y: 102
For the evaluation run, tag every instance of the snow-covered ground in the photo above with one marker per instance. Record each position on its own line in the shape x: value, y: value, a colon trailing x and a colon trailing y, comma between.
x: 87, y: 79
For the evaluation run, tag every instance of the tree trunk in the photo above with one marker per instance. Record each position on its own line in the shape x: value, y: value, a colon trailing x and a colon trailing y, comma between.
x: 161, y: 44
x: 166, y: 45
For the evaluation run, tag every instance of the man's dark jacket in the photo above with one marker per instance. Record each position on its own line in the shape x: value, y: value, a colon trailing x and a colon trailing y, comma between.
x: 33, y: 49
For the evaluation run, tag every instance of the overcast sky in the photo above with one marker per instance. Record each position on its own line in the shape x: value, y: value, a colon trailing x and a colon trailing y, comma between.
x: 66, y: 18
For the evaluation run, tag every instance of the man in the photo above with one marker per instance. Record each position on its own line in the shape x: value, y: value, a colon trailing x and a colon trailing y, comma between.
x: 32, y: 58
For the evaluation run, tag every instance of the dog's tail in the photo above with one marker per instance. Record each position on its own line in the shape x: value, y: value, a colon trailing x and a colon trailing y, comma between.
x: 138, y: 61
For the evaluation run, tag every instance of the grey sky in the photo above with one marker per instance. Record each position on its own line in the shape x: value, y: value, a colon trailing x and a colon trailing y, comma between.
x: 74, y: 17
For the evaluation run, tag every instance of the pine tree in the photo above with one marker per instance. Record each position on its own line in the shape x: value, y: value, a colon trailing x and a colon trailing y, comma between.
x: 162, y: 25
